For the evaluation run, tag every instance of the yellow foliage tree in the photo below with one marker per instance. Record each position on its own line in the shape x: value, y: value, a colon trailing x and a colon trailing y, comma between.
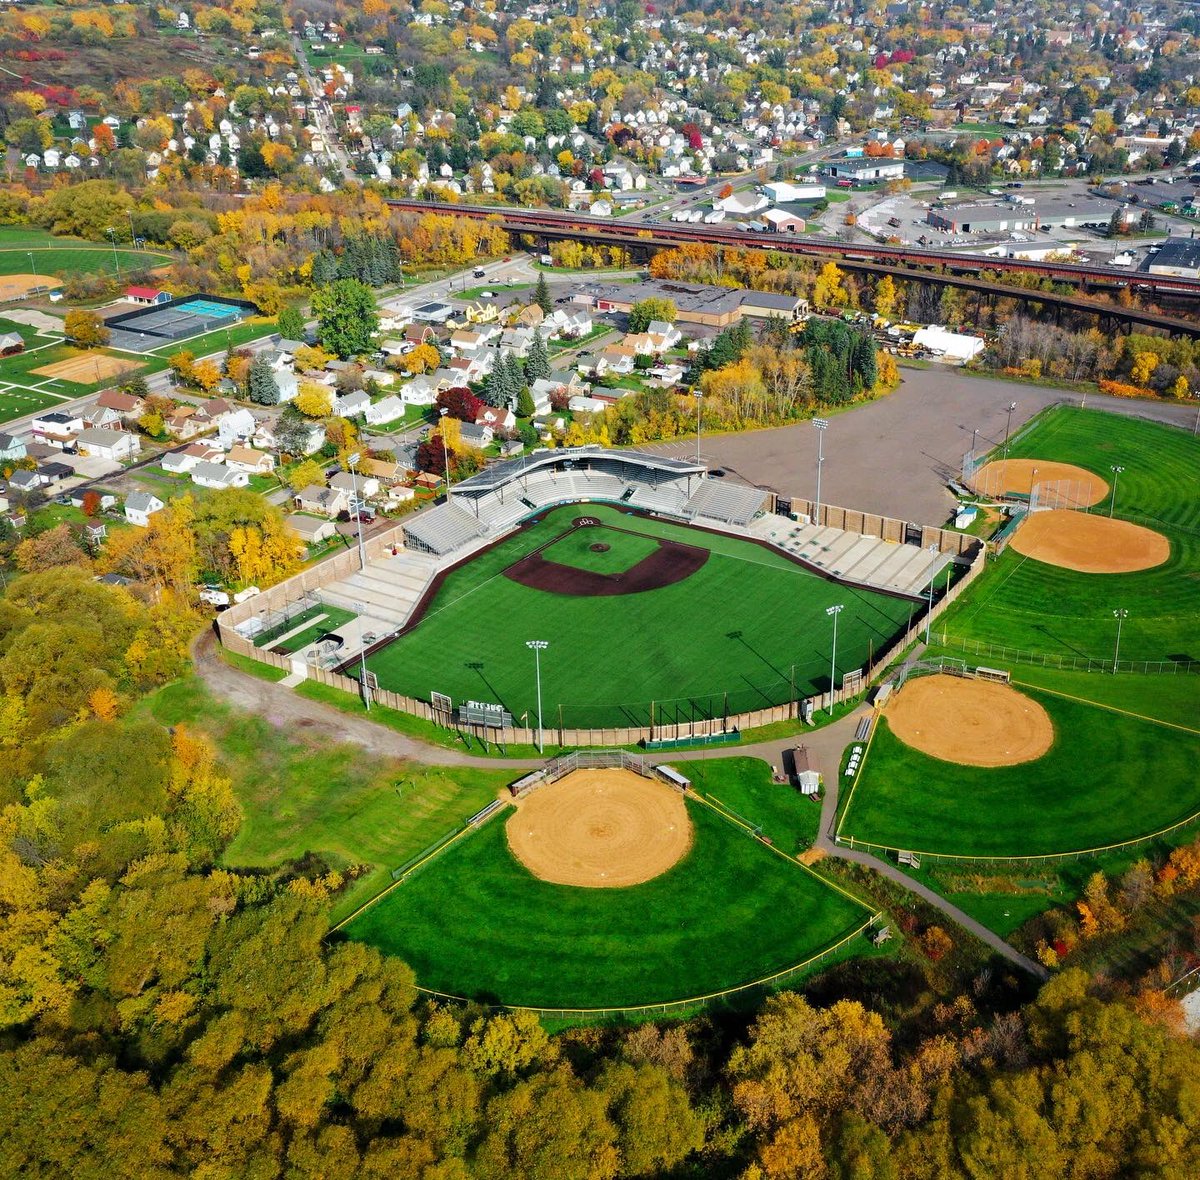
x: 1143, y: 367
x: 314, y: 400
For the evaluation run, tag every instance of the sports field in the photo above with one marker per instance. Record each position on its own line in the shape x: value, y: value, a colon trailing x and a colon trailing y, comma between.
x: 1108, y: 777
x: 475, y: 922
x: 1027, y: 604
x: 743, y: 624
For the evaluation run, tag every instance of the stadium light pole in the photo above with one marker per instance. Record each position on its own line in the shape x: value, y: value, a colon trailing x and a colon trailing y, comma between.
x: 1008, y: 429
x: 362, y: 658
x: 822, y: 425
x: 112, y: 237
x: 1120, y: 615
x: 1195, y: 425
x: 37, y: 282
x: 352, y: 462
x: 699, y: 399
x: 929, y: 612
x: 833, y: 612
x: 537, y: 646
x: 445, y: 449
x: 1112, y: 500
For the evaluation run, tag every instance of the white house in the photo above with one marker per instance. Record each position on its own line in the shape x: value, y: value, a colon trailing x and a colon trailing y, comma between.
x: 387, y: 409
x: 140, y: 506
x: 217, y: 475
x: 234, y: 427
x: 101, y: 443
x: 346, y: 481
x: 352, y: 404
x: 250, y: 461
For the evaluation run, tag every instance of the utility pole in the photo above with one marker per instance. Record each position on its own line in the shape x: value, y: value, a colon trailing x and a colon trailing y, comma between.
x: 352, y: 463
x: 1112, y: 500
x: 445, y: 451
x: 1120, y: 615
x: 112, y: 237
x: 1008, y: 429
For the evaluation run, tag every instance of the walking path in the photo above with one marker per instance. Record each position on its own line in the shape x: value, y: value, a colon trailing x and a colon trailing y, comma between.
x: 284, y: 708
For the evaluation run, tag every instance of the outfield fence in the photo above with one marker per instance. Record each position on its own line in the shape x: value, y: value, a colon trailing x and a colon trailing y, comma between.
x: 669, y: 1007
x: 1017, y: 655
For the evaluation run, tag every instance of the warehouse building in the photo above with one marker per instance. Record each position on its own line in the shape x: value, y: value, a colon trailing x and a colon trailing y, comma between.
x: 695, y: 303
x: 1179, y: 257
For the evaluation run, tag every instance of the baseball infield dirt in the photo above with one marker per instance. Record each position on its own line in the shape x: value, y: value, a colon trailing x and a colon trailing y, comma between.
x: 600, y: 829
x: 17, y: 286
x: 971, y: 722
x: 1077, y: 487
x: 671, y: 562
x: 1090, y: 544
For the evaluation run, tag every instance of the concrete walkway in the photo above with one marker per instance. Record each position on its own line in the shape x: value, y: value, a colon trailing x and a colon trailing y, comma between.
x: 283, y: 708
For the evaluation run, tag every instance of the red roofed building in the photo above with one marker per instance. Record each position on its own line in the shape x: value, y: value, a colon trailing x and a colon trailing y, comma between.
x: 147, y: 295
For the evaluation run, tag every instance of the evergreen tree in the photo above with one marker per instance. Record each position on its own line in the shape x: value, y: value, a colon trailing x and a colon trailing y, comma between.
x: 290, y: 323
x: 324, y: 268
x: 537, y: 364
x: 541, y: 295
x: 525, y: 406
x: 260, y: 382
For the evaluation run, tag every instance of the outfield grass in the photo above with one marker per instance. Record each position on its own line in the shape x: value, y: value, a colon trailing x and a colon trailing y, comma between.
x: 475, y: 922
x: 322, y: 618
x: 336, y: 801
x: 62, y: 261
x: 1108, y: 778
x: 1029, y: 605
x: 737, y: 626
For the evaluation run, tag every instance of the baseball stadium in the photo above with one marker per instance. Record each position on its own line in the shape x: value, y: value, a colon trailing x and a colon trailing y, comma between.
x: 1031, y: 699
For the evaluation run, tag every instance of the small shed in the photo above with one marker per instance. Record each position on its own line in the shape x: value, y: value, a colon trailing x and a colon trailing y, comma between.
x: 807, y: 779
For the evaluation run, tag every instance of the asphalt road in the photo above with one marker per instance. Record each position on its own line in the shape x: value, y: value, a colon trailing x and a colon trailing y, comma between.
x: 893, y: 456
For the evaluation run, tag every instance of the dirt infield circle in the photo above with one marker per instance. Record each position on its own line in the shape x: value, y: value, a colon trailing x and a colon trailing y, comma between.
x: 600, y: 829
x: 89, y: 368
x: 1090, y: 544
x: 1019, y: 475
x: 971, y: 722
x: 15, y: 286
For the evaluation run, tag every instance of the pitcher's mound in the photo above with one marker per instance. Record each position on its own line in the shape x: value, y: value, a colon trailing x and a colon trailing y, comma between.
x: 1090, y: 544
x: 601, y: 829
x: 972, y: 722
x: 1076, y: 487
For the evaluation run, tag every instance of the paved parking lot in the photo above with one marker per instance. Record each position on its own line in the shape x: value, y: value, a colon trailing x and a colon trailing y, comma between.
x: 894, y: 455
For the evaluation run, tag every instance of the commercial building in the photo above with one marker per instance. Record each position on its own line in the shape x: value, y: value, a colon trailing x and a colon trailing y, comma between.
x: 781, y: 192
x: 982, y: 218
x: 1179, y: 257
x: 695, y: 303
x: 853, y: 165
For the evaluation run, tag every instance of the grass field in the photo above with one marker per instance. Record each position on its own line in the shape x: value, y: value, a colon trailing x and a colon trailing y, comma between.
x: 320, y: 618
x: 1108, y: 778
x: 737, y: 626
x: 304, y: 796
x: 67, y: 256
x: 1026, y: 604
x: 476, y: 922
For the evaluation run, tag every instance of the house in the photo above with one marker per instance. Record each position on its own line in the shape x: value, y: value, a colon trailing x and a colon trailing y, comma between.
x: 497, y: 417
x: 182, y: 423
x: 99, y: 416
x: 79, y: 496
x: 26, y: 481
x: 387, y: 409
x: 114, y: 445
x: 235, y: 426
x: 147, y: 296
x: 352, y: 404
x: 383, y: 470
x: 217, y: 475
x: 182, y: 461
x: 321, y: 500
x: 475, y: 436
x: 127, y: 405
x: 346, y: 481
x: 140, y: 506
x: 616, y: 358
x: 548, y: 424
x: 11, y: 343
x: 250, y: 461
x: 11, y: 448
x: 310, y: 529
x: 56, y: 428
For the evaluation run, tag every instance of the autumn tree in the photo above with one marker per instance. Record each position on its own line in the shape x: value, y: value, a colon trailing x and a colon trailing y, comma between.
x: 314, y: 400
x: 642, y: 313
x: 85, y: 329
x: 290, y: 323
x: 55, y: 547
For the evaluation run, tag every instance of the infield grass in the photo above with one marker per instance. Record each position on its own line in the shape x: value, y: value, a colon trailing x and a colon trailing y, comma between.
x: 738, y: 626
x: 475, y: 922
x: 1107, y: 778
x: 1027, y: 604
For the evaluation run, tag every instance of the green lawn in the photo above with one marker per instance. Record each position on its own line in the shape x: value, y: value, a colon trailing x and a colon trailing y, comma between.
x: 743, y: 786
x: 475, y: 922
x: 1107, y: 778
x: 737, y: 626
x: 245, y: 332
x: 1033, y: 606
x: 305, y: 796
x: 63, y: 261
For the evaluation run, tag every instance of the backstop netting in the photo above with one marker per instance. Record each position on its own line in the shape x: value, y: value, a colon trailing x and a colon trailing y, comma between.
x: 1060, y: 493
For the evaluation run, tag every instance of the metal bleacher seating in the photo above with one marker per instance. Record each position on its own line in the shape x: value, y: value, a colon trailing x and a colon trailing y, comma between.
x: 730, y: 503
x: 443, y: 529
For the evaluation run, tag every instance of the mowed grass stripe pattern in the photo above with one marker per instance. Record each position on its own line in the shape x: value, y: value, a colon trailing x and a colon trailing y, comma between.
x: 1108, y: 778
x: 736, y: 626
x: 1037, y: 607
x: 475, y: 922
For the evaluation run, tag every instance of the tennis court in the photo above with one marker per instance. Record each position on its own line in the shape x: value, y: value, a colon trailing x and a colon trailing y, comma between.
x: 151, y: 327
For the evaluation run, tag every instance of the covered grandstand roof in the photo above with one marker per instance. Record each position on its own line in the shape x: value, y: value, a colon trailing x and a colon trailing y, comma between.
x: 498, y: 474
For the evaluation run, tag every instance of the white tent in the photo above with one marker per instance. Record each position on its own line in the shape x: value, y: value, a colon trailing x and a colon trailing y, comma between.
x: 952, y: 345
